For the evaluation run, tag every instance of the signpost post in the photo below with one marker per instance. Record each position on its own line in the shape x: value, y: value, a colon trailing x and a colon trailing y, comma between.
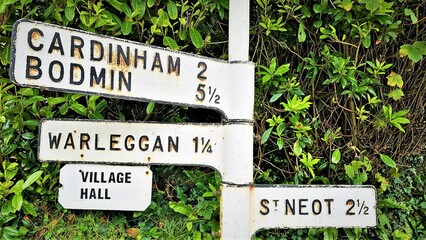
x: 252, y: 207
x: 228, y: 148
x: 104, y: 187
x: 70, y: 60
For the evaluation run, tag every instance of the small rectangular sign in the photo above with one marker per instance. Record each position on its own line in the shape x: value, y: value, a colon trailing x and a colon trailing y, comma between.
x: 105, y: 187
x: 246, y: 209
x: 63, y: 59
x: 226, y: 147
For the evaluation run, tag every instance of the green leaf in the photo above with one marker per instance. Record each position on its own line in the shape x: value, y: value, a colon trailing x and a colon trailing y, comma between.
x: 189, y: 226
x: 172, y: 10
x: 5, y: 54
x: 396, y: 94
x: 126, y: 9
x: 297, y: 149
x: 28, y: 208
x: 387, y: 160
x: 414, y: 52
x: 265, y: 135
x: 150, y: 3
x: 301, y: 34
x: 181, y: 208
x: 10, y: 231
x: 31, y: 179
x: 70, y: 13
x: 78, y: 108
x: 346, y: 5
x: 275, y: 97
x: 28, y: 136
x: 17, y: 188
x: 395, y: 79
x: 170, y: 42
x: 318, y: 8
x: 282, y: 69
x: 116, y: 4
x: 371, y: 5
x: 150, y: 108
x: 126, y: 27
x: 196, y: 38
x: 335, y: 157
x: 409, y: 12
x: 17, y: 201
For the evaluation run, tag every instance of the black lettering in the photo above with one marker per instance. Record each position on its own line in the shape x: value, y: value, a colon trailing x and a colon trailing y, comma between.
x: 103, y: 177
x: 84, y: 140
x: 33, y: 70
x: 83, y: 193
x: 200, y: 75
x: 157, y: 144
x: 173, y: 145
x: 31, y: 37
x: 61, y: 71
x: 111, y: 178
x: 316, y: 207
x: 128, y: 143
x: 83, y: 175
x: 69, y: 141
x: 137, y: 57
x: 73, y: 73
x: 56, y: 44
x: 128, y: 177
x: 54, y: 140
x: 110, y: 53
x: 77, y: 44
x: 290, y: 207
x: 100, y: 193
x: 264, y: 203
x: 276, y: 202
x: 328, y: 201
x: 96, y: 143
x: 92, y: 194
x: 96, y: 50
x: 157, y: 63
x: 112, y: 79
x: 142, y: 145
x: 302, y: 206
x: 173, y: 67
x: 106, y: 194
x: 96, y: 79
x: 95, y: 177
x: 121, y: 56
x: 120, y: 177
x: 127, y: 82
x: 114, y: 142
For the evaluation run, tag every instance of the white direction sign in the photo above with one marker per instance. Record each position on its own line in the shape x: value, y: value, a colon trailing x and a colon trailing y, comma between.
x: 247, y: 209
x: 105, y: 187
x: 227, y: 148
x: 70, y: 60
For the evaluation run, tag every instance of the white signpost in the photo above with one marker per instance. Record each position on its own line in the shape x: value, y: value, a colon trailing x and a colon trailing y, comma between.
x: 70, y: 60
x: 63, y: 59
x: 246, y: 209
x: 227, y: 148
x: 104, y: 187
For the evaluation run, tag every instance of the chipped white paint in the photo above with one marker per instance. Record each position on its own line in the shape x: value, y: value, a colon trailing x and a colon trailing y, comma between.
x: 70, y: 60
x: 225, y: 147
x: 105, y: 187
x: 247, y: 209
